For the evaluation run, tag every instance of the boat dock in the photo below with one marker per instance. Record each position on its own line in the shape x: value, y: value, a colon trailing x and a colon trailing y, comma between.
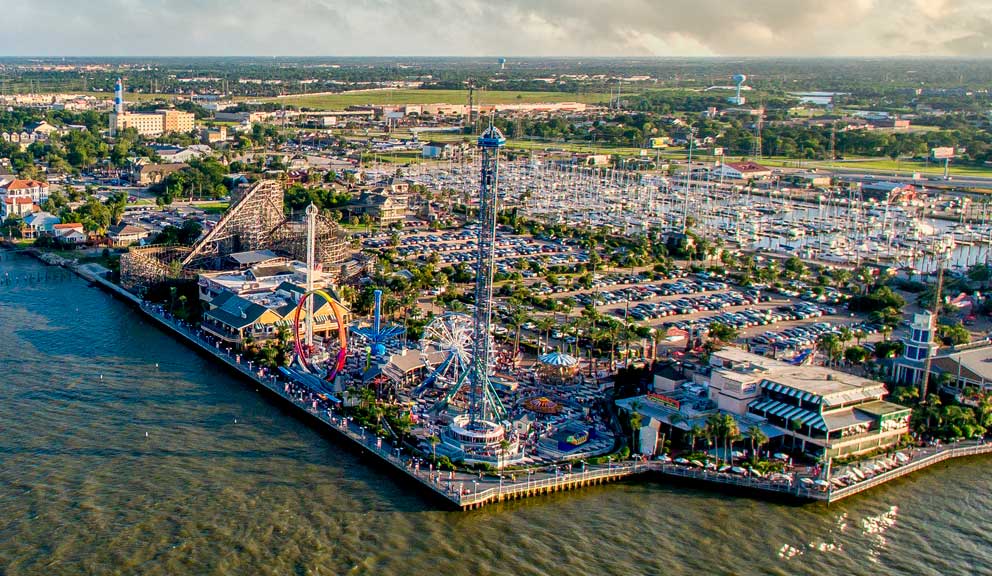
x: 467, y: 491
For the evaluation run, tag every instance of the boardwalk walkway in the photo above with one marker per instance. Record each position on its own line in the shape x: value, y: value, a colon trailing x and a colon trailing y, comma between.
x: 468, y: 491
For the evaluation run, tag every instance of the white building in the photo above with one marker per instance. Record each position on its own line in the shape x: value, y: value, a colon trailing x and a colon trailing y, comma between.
x: 742, y: 171
x: 19, y: 196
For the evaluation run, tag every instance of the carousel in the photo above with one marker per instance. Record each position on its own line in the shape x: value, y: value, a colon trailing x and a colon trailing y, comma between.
x: 543, y: 405
x: 557, y: 369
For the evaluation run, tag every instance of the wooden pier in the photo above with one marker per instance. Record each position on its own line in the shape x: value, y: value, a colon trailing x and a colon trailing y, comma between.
x: 939, y: 454
x: 465, y: 491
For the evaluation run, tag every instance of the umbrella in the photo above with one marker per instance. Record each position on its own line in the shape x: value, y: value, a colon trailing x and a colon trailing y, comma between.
x: 821, y: 482
x: 724, y: 468
x: 696, y: 463
x: 738, y: 470
x: 681, y: 461
x: 781, y: 456
x: 806, y: 481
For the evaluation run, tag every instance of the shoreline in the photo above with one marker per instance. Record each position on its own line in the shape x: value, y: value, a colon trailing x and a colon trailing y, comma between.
x: 464, y: 491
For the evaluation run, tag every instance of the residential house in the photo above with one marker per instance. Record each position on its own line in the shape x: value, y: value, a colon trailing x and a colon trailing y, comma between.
x: 71, y: 232
x: 18, y: 196
x: 38, y: 223
x: 123, y: 235
x: 148, y: 174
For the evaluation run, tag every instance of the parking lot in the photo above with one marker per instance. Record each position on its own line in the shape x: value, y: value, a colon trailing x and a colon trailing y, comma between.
x: 458, y: 247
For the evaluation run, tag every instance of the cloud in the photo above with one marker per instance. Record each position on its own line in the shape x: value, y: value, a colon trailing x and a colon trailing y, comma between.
x: 504, y: 27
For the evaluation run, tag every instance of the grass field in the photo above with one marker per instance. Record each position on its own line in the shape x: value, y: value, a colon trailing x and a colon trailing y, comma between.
x: 213, y: 207
x: 355, y: 98
x: 885, y: 165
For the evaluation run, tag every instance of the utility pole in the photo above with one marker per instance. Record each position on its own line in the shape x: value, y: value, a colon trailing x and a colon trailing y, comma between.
x: 942, y: 252
x: 471, y: 96
x: 688, y: 181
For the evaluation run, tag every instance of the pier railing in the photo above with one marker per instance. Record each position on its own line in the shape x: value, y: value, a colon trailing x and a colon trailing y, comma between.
x: 563, y: 481
x: 468, y: 491
x: 928, y: 457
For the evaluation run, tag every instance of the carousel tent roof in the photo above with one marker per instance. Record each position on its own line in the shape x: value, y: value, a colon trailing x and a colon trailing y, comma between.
x: 557, y: 359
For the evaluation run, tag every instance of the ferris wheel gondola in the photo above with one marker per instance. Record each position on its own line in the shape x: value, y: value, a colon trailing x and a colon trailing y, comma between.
x: 446, y: 350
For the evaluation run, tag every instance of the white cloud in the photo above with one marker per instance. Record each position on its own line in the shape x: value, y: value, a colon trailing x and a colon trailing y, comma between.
x: 506, y: 27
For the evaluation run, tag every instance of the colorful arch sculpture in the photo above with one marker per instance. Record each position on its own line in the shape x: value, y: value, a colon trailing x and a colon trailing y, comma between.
x: 339, y: 314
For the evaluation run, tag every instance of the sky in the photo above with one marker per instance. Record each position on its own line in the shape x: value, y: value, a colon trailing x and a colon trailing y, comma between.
x: 676, y: 28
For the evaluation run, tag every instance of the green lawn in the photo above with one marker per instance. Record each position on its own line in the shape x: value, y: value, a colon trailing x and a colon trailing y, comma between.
x: 886, y: 165
x: 355, y: 98
x: 213, y: 207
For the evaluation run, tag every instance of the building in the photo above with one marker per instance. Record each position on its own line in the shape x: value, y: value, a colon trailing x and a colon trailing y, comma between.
x: 152, y: 124
x: 827, y: 412
x: 888, y: 191
x: 144, y: 124
x: 908, y: 369
x: 438, y: 150
x: 177, y: 121
x: 123, y: 235
x: 742, y: 171
x: 380, y: 207
x: 891, y: 122
x: 148, y: 174
x: 259, y: 316
x: 38, y: 223
x: 810, y: 179
x: 71, y: 232
x: 18, y: 196
x: 213, y: 135
x: 33, y: 132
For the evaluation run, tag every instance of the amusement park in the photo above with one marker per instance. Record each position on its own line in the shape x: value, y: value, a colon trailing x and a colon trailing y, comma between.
x: 455, y: 396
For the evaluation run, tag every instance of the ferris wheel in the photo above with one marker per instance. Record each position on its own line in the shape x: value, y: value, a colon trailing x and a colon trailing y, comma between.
x: 446, y: 350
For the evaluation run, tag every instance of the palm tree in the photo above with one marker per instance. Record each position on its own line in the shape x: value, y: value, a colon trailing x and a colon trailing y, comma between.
x: 715, y: 431
x: 796, y: 425
x: 504, y: 447
x: 434, y: 441
x: 758, y: 437
x: 695, y: 432
x: 546, y: 324
x: 635, y: 424
x: 731, y: 434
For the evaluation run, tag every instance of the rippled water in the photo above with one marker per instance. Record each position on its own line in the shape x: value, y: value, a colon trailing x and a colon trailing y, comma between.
x: 110, y: 464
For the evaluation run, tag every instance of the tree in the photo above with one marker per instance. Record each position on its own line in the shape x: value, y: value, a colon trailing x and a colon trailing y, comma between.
x: 758, y: 438
x: 796, y: 425
x: 889, y: 349
x: 723, y: 332
x: 695, y: 432
x: 829, y: 343
x: 635, y: 424
x: 856, y: 354
x: 504, y: 447
x: 433, y: 440
x: 953, y: 334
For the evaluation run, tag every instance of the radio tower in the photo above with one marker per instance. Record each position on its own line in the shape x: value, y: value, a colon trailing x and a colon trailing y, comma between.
x: 479, y: 407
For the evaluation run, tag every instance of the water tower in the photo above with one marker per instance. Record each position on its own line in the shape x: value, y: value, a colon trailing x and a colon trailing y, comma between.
x: 739, y: 80
x: 502, y: 63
